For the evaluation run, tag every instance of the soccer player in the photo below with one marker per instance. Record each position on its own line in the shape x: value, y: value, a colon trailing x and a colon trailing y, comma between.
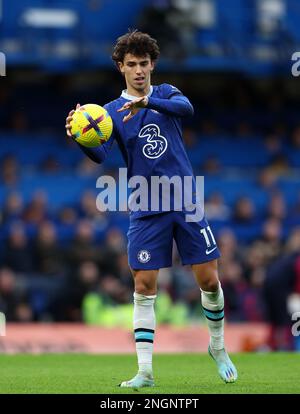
x: 147, y: 128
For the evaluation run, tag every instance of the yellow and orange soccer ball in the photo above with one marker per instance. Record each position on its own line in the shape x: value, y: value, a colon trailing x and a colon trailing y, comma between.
x: 91, y: 125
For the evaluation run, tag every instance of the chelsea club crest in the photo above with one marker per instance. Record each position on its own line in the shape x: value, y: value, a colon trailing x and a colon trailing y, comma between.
x: 143, y: 256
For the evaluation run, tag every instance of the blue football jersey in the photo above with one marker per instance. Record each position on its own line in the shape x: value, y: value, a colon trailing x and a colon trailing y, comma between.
x: 151, y: 144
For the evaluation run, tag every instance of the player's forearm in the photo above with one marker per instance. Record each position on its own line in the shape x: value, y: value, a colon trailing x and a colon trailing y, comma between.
x: 177, y: 105
x: 97, y: 154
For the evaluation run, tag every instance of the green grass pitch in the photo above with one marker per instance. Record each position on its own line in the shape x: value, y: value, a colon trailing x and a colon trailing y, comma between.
x: 264, y: 373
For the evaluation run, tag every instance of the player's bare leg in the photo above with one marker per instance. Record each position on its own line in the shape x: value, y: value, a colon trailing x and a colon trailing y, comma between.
x: 206, y: 275
x: 145, y: 282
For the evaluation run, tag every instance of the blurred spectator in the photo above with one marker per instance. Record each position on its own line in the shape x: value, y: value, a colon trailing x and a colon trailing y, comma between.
x: 113, y: 291
x: 50, y: 165
x: 13, y: 207
x: 88, y: 209
x: 18, y: 252
x: 184, y: 288
x: 233, y: 284
x: 293, y: 242
x: 295, y: 138
x: 270, y: 241
x: 279, y: 165
x: 279, y: 285
x: 48, y: 254
x: 255, y: 261
x: 11, y: 293
x: 211, y: 166
x: 228, y: 245
x: 215, y: 208
x: 267, y: 179
x: 208, y: 127
x: 115, y: 241
x: 9, y: 169
x: 23, y: 313
x: 124, y: 272
x: 254, y: 264
x: 244, y: 211
x: 190, y: 137
x: 19, y: 121
x: 37, y: 209
x: 84, y: 281
x: 295, y: 210
x: 277, y: 207
x: 273, y: 144
x: 110, y: 251
x: 68, y: 216
x: 87, y: 168
x: 83, y: 247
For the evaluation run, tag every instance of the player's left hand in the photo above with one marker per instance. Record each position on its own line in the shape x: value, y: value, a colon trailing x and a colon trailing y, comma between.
x: 134, y: 106
x: 69, y: 120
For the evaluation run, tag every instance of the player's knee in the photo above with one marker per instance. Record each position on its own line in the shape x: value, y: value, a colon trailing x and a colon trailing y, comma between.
x: 145, y: 282
x: 210, y: 285
x: 145, y: 287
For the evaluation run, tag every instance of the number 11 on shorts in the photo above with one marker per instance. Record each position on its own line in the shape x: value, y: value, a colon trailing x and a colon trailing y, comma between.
x: 208, y: 236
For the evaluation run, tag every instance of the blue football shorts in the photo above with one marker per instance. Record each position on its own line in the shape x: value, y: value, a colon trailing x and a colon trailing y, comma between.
x: 150, y: 241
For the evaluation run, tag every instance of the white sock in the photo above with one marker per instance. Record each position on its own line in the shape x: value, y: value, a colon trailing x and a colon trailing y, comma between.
x: 213, y: 307
x: 144, y: 328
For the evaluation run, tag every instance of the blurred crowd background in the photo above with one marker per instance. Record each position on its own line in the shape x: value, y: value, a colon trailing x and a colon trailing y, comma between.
x: 63, y: 260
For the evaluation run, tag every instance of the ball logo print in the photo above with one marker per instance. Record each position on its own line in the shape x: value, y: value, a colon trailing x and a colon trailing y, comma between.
x: 156, y: 143
x: 143, y: 256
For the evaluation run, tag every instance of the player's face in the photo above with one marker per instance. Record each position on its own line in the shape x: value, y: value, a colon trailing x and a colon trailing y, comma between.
x: 137, y: 71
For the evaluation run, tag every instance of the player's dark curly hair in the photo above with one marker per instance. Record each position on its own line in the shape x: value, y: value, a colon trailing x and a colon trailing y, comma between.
x: 136, y: 43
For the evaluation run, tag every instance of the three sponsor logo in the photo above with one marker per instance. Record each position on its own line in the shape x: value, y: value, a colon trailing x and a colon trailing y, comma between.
x: 156, y: 143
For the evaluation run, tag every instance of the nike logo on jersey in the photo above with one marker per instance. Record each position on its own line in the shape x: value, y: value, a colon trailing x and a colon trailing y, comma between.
x: 210, y: 251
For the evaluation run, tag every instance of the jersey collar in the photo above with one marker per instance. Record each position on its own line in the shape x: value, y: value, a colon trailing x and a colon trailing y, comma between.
x: 125, y: 95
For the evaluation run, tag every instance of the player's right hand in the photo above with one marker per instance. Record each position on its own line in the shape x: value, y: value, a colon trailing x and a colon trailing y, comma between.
x: 69, y: 119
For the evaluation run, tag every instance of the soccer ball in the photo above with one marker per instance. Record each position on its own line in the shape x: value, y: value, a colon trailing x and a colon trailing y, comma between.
x: 91, y: 125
